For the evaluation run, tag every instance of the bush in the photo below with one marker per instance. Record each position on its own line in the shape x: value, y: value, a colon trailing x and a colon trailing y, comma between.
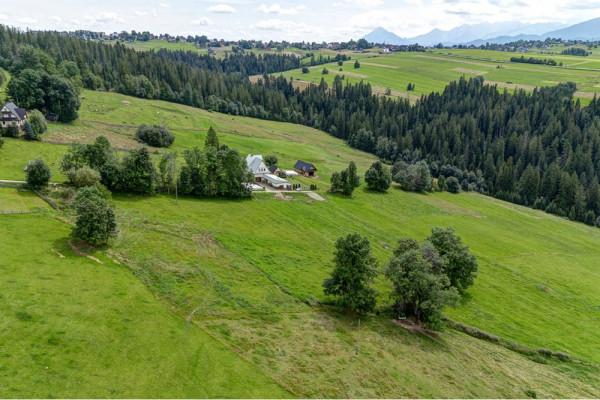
x: 38, y: 122
x: 38, y: 174
x: 531, y: 394
x: 96, y: 222
x: 1, y: 143
x: 84, y: 176
x: 452, y: 185
x: 378, y: 177
x: 305, y: 70
x: 325, y: 71
x: 545, y: 352
x: 356, y: 64
x: 12, y: 131
x: 155, y: 136
x: 562, y: 356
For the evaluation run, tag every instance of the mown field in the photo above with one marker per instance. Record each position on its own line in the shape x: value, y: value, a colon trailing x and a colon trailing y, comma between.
x: 257, y: 288
x: 431, y: 71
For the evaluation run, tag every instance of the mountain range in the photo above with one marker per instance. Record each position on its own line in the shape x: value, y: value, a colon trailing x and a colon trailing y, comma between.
x: 499, y: 32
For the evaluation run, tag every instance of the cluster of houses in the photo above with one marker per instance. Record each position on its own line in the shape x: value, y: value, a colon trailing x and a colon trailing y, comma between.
x: 273, y: 176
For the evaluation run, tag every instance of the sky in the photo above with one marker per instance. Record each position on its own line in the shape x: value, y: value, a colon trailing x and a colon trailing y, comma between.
x: 308, y: 20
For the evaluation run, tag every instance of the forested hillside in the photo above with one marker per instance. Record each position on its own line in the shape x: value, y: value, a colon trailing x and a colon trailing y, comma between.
x: 540, y: 149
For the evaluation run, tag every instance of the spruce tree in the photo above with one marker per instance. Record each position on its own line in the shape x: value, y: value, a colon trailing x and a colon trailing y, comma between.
x: 29, y: 133
x: 212, y: 139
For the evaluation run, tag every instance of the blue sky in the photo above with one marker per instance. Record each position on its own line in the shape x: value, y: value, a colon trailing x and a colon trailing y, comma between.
x: 311, y: 20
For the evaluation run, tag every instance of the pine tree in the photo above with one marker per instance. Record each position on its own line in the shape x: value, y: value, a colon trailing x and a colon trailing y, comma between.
x: 211, y: 139
x: 29, y: 133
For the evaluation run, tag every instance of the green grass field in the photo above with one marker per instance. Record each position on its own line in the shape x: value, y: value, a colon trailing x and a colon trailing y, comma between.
x: 258, y: 285
x: 431, y: 71
x: 76, y: 327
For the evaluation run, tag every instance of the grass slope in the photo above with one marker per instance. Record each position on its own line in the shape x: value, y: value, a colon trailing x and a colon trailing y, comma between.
x: 72, y: 327
x: 263, y: 260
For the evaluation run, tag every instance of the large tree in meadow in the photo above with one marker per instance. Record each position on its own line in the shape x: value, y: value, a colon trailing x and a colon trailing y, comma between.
x: 354, y: 270
x: 96, y: 222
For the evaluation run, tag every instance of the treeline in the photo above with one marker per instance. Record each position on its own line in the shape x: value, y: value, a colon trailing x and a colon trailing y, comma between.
x: 576, y: 51
x: 533, y: 60
x: 212, y: 172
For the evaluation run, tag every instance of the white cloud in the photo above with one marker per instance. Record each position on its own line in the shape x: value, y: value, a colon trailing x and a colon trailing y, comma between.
x: 3, y: 16
x: 56, y: 19
x: 165, y: 5
x: 202, y: 21
x: 101, y: 18
x: 27, y: 20
x: 277, y: 9
x: 221, y: 9
x: 151, y: 13
x: 281, y: 25
x: 359, y: 3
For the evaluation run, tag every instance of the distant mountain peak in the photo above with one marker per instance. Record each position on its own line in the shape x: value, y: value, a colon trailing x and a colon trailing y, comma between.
x: 497, y: 32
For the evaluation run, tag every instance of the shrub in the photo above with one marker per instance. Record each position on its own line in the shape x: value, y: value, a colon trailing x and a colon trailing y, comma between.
x: 38, y: 174
x: 84, y: 176
x: 531, y: 394
x: 155, y: 136
x: 12, y: 130
x: 96, y: 222
x: 356, y: 64
x: 562, y: 356
x: 37, y: 121
x: 325, y: 71
x: 305, y: 70
x: 378, y: 177
x: 452, y: 185
x: 1, y: 143
x: 545, y: 352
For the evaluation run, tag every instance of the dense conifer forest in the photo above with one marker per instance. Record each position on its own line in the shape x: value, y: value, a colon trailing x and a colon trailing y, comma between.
x: 540, y: 149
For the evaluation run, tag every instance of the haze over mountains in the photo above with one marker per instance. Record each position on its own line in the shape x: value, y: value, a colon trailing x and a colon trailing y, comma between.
x: 499, y: 32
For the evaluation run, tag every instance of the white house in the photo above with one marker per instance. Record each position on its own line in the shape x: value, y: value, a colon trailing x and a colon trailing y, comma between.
x: 277, y: 182
x: 256, y: 166
x: 11, y: 114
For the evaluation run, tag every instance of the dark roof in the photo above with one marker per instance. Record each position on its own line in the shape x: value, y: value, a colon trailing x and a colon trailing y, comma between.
x: 19, y: 113
x: 273, y: 168
x: 304, y: 166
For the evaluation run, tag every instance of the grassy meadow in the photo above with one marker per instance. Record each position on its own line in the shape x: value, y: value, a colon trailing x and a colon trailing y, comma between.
x: 254, y: 295
x: 75, y: 326
x: 431, y: 71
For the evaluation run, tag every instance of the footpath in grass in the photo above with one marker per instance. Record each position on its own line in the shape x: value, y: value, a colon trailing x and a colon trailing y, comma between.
x: 76, y: 327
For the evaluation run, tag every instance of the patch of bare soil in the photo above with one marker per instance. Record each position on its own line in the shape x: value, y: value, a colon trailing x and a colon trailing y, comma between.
x: 412, y: 326
x: 82, y: 249
x: 59, y: 254
x: 281, y: 196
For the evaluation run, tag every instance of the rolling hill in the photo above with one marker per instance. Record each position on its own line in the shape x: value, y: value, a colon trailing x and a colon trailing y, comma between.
x: 250, y: 318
